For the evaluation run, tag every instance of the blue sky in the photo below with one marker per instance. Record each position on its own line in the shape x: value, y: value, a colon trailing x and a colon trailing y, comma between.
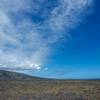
x: 51, y: 38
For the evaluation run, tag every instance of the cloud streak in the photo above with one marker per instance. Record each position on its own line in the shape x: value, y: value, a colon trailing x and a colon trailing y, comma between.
x: 29, y: 28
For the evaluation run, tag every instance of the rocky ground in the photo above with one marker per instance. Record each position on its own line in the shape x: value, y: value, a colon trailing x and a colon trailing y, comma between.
x: 15, y: 86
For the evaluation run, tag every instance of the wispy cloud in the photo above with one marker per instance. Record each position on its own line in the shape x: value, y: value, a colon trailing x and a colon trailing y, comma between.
x: 28, y: 28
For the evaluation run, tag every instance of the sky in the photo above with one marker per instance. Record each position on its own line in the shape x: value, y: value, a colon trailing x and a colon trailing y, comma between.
x: 51, y: 38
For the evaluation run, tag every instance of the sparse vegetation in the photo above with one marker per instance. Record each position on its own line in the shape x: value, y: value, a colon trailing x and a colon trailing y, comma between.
x: 44, y: 89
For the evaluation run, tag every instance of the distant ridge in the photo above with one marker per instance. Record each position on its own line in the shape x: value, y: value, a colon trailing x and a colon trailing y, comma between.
x: 8, y: 75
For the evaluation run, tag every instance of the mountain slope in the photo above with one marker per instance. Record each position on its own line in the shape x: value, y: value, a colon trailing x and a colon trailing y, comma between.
x: 8, y: 75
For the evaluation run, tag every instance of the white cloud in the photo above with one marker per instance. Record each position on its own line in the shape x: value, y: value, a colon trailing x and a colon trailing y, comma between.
x: 68, y: 13
x: 25, y: 43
